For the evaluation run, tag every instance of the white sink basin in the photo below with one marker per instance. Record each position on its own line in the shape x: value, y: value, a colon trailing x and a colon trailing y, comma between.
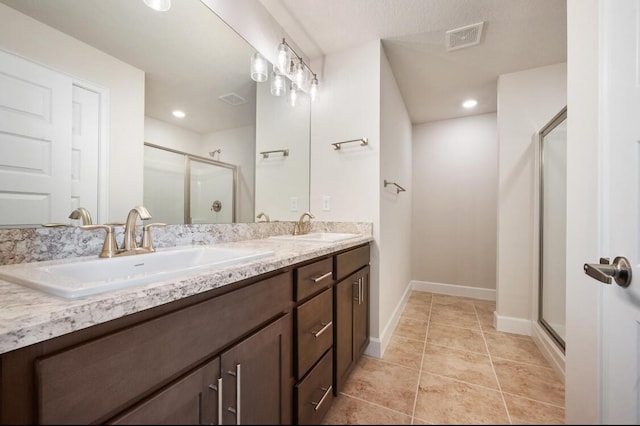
x: 320, y: 237
x: 89, y: 276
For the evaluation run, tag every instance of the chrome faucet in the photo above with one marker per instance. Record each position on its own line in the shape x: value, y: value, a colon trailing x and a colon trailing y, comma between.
x: 129, y: 244
x: 81, y: 213
x: 298, y: 227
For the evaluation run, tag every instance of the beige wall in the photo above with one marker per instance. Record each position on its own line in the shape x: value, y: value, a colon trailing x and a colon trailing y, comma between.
x: 26, y: 37
x: 454, y: 201
x: 527, y: 100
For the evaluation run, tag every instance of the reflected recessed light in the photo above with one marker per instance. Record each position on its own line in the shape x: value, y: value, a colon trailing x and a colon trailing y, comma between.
x: 470, y: 103
x: 159, y: 5
x: 178, y: 114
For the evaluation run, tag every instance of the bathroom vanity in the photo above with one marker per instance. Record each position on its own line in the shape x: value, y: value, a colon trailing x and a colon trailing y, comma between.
x: 272, y: 347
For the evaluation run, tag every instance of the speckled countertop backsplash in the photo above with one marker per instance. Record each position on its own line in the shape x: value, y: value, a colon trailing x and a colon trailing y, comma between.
x: 39, y: 244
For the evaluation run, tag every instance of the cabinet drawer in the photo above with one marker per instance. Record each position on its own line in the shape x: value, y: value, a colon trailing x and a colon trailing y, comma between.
x: 314, y: 330
x: 312, y: 278
x: 314, y: 394
x: 350, y: 261
x: 98, y: 379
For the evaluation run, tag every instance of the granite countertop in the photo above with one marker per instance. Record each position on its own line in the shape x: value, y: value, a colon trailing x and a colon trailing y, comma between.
x: 29, y: 316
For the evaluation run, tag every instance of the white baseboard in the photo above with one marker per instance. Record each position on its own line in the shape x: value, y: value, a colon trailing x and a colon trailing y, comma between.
x: 454, y: 290
x: 377, y: 346
x: 512, y: 324
x: 549, y: 349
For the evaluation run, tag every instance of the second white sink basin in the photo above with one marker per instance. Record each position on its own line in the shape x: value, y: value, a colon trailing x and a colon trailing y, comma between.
x: 320, y: 237
x: 89, y: 276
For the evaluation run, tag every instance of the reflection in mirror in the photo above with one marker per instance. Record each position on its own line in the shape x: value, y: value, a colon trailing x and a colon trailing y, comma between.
x: 142, y: 65
x: 553, y: 227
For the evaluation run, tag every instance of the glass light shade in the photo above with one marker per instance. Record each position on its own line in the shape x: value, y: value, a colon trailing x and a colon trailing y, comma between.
x: 159, y: 5
x: 293, y: 95
x: 278, y: 84
x: 283, y: 56
x: 258, y: 67
x: 313, y: 89
x: 300, y: 74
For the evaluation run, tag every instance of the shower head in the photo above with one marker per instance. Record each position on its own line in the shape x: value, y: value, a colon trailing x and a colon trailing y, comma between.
x: 213, y: 153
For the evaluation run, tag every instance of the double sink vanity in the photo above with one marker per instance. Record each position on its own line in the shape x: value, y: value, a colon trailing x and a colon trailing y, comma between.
x: 254, y: 331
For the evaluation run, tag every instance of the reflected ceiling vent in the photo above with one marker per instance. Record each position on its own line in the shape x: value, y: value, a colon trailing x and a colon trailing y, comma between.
x: 464, y: 36
x: 233, y: 99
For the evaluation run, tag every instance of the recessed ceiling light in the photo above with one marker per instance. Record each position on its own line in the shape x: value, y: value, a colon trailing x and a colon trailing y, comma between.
x: 470, y: 103
x: 178, y: 114
x: 159, y: 5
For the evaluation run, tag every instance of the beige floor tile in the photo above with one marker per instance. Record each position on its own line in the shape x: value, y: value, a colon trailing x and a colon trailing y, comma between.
x: 486, y: 320
x: 350, y: 411
x: 442, y: 315
x: 462, y: 365
x: 411, y: 327
x: 457, y: 338
x: 391, y: 386
x: 446, y: 401
x: 404, y: 351
x: 485, y: 305
x: 454, y: 303
x: 515, y: 348
x: 417, y: 310
x: 530, y: 381
x: 526, y: 411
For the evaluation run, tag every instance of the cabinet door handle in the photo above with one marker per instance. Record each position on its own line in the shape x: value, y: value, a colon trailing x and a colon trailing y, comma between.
x: 323, y: 329
x: 327, y: 391
x: 238, y: 375
x: 321, y: 277
x: 218, y: 389
x: 358, y: 284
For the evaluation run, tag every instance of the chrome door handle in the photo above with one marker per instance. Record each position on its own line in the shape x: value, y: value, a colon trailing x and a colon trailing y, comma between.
x: 321, y: 277
x: 327, y: 391
x: 325, y: 326
x: 619, y: 270
x: 218, y: 389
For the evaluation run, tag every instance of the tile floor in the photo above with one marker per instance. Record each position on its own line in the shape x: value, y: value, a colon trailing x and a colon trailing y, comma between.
x: 446, y: 363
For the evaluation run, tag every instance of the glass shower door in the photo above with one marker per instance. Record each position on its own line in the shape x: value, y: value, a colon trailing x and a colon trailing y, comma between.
x: 212, y: 192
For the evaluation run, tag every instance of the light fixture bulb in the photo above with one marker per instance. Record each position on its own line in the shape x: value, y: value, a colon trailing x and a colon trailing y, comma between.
x: 313, y: 90
x: 469, y: 103
x: 293, y: 94
x: 283, y: 56
x: 159, y: 5
x: 278, y: 84
x: 258, y: 67
x: 179, y: 114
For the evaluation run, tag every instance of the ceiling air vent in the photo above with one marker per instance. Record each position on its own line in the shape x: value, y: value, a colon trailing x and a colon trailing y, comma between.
x: 233, y: 99
x: 464, y: 36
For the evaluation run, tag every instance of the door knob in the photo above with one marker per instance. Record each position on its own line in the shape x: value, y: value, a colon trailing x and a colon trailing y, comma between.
x: 619, y: 270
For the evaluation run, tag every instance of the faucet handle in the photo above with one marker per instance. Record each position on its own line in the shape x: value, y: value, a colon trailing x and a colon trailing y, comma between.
x: 147, y: 242
x: 109, y: 246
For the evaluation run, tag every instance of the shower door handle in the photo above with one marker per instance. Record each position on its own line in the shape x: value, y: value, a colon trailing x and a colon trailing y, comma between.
x: 619, y: 270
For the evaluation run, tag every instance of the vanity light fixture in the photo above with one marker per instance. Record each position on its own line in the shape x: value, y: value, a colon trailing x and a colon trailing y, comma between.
x: 288, y: 65
x: 178, y: 114
x: 469, y: 103
x: 159, y: 5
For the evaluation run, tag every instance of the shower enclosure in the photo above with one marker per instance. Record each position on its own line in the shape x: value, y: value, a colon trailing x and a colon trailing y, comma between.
x: 552, y: 227
x: 181, y: 188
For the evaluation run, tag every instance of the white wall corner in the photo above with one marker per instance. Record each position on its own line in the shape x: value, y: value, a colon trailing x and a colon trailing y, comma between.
x: 454, y: 290
x: 512, y: 324
x: 377, y: 346
x: 549, y: 349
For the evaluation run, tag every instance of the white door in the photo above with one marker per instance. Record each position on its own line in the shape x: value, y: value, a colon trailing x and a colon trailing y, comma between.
x: 620, y: 213
x: 35, y: 143
x: 85, y: 144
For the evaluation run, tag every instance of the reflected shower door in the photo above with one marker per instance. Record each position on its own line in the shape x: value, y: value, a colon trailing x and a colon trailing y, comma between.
x: 212, y: 192
x: 164, y: 189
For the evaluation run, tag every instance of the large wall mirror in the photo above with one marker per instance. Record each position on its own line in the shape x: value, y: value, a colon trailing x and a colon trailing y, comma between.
x: 553, y: 227
x: 138, y: 66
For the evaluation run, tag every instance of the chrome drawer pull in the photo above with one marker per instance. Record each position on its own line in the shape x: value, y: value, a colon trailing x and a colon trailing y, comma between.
x: 327, y: 391
x: 219, y: 390
x: 323, y: 329
x: 321, y: 277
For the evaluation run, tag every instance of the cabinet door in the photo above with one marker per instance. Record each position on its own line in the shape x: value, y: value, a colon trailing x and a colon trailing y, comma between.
x: 191, y: 400
x: 344, y: 293
x: 361, y: 313
x: 257, y: 377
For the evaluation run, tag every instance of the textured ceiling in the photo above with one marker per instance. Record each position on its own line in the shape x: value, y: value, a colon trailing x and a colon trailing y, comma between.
x: 518, y: 35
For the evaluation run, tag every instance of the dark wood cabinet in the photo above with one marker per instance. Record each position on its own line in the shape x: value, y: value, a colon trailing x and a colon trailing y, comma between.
x: 361, y: 308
